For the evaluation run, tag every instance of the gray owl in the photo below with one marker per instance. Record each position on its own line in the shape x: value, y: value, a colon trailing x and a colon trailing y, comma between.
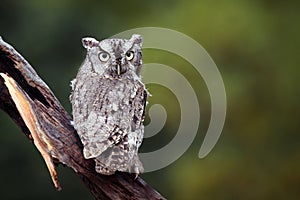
x: 108, y: 101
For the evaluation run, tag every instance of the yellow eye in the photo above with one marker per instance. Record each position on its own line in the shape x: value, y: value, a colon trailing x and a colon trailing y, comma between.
x: 129, y: 55
x: 104, y: 56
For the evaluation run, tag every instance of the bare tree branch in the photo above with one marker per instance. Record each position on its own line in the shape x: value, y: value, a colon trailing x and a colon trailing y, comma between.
x: 35, y: 109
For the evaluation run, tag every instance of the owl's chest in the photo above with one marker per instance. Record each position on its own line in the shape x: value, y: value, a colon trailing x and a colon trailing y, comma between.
x: 116, y: 96
x: 104, y: 104
x: 115, y: 103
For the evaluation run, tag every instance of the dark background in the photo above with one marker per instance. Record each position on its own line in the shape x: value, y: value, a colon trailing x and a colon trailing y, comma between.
x: 255, y: 45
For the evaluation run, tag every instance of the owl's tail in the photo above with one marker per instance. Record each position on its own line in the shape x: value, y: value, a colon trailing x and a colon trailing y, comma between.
x: 117, y: 159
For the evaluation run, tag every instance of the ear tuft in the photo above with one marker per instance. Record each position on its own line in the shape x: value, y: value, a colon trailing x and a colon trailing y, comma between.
x: 138, y: 39
x: 89, y: 42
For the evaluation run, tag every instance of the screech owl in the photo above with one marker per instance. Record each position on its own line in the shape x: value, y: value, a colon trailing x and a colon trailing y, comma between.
x: 108, y: 102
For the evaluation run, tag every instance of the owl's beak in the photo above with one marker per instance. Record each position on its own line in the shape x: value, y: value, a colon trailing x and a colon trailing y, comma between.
x: 118, y: 70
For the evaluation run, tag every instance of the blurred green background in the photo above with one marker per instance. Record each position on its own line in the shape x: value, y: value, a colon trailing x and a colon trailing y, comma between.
x: 255, y: 45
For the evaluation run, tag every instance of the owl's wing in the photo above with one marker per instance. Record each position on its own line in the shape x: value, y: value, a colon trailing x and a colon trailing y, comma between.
x: 88, y: 119
x: 139, y: 103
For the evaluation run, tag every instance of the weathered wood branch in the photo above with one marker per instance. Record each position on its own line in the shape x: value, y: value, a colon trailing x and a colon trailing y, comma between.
x: 31, y: 104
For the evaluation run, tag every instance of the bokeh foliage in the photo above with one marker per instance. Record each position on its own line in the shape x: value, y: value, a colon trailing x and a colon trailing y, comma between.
x: 255, y: 45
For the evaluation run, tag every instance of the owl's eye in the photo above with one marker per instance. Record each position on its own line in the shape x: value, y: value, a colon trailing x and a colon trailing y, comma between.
x: 129, y: 55
x: 103, y: 56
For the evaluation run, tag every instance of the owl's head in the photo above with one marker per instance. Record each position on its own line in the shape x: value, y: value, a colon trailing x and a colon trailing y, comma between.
x: 115, y: 58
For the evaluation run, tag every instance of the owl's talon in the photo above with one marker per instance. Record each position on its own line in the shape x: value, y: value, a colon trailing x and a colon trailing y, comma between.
x: 136, y: 175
